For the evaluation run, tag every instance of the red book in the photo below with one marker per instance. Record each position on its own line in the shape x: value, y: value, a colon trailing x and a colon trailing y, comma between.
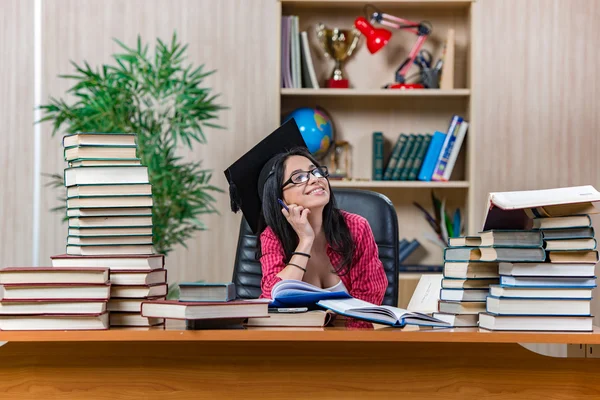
x: 30, y: 275
x: 174, y: 309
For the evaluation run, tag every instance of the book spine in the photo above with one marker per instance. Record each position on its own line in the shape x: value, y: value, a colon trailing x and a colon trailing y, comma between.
x: 411, y: 157
x: 408, y: 250
x: 377, y: 156
x: 401, y: 143
x: 419, y: 158
x: 406, y: 149
x: 431, y: 157
x: 462, y: 131
x: 438, y: 174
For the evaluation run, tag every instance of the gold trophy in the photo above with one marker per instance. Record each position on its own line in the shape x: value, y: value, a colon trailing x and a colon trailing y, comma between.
x: 339, y: 45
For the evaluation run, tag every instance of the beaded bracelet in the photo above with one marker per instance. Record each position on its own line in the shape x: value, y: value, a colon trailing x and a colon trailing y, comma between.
x: 297, y: 266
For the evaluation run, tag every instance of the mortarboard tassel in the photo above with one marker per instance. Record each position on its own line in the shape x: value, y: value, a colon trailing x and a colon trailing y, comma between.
x: 234, y: 197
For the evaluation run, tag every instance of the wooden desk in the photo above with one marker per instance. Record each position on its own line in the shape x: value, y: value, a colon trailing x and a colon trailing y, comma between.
x: 269, y: 363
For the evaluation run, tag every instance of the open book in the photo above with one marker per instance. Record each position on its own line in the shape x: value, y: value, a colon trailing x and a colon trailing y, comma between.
x: 386, y: 315
x: 294, y: 293
x: 515, y: 210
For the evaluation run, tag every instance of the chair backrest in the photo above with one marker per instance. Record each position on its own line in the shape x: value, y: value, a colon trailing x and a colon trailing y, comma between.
x: 376, y: 208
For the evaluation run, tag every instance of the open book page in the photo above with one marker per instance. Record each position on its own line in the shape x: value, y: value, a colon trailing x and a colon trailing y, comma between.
x: 381, y: 314
x: 285, y: 286
x: 294, y: 293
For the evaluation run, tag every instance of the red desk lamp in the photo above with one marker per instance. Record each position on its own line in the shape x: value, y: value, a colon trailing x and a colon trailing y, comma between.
x: 378, y: 37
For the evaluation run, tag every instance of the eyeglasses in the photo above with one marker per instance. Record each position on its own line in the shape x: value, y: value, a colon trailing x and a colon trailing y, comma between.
x: 300, y: 177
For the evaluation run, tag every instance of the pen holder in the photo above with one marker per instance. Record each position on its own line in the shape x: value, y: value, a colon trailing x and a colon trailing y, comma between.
x: 430, y: 78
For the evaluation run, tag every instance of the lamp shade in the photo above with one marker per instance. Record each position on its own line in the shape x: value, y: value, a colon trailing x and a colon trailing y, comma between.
x: 376, y: 37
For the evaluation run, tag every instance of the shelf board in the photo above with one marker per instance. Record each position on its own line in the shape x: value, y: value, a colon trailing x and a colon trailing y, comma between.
x: 376, y: 92
x: 339, y: 3
x: 399, y: 184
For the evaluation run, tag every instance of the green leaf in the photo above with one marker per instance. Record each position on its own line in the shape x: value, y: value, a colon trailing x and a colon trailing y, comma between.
x: 165, y: 104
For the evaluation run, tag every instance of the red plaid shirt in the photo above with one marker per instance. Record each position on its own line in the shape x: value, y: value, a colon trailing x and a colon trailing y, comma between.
x: 366, y: 280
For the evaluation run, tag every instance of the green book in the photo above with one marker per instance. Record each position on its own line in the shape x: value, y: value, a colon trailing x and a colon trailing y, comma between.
x: 411, y: 157
x: 394, y: 157
x: 403, y: 157
x: 416, y: 167
x: 377, y: 156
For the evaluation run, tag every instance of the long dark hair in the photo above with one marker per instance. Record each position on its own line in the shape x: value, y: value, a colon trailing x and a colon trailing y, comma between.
x: 336, y: 230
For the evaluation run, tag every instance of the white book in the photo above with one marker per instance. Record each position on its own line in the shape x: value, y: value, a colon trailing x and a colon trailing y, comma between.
x: 110, y: 212
x: 105, y: 250
x: 521, y: 306
x: 119, y: 263
x: 127, y: 305
x: 53, y: 322
x: 106, y: 175
x: 535, y: 323
x: 458, y: 320
x: 108, y: 240
x: 296, y: 62
x: 204, y: 310
x: 54, y: 292
x: 540, y: 292
x: 309, y: 77
x: 110, y: 201
x: 132, y: 277
x: 546, y: 269
x: 92, y: 224
x: 460, y: 136
x: 463, y: 294
x: 110, y: 190
x: 61, y: 307
x: 515, y: 210
x: 99, y: 139
x: 427, y: 294
x: 111, y: 231
x: 133, y: 319
x: 138, y: 291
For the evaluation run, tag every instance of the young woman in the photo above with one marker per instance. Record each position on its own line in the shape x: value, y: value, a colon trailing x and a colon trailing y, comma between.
x: 306, y: 237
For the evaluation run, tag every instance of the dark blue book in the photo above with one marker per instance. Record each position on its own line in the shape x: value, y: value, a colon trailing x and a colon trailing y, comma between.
x: 408, y: 250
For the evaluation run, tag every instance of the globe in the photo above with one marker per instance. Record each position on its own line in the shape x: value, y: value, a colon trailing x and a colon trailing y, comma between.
x: 316, y: 129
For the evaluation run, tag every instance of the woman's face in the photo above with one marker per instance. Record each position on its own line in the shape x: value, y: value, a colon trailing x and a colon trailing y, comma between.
x: 311, y: 194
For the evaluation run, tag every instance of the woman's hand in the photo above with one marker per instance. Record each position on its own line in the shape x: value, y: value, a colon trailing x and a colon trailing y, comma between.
x: 297, y: 216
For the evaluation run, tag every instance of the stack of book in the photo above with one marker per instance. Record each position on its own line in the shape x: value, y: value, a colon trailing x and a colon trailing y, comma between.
x: 471, y: 268
x: 47, y: 298
x: 109, y: 210
x: 134, y: 279
x: 551, y: 295
x: 206, y: 306
x: 551, y: 291
x: 417, y: 156
x: 109, y: 196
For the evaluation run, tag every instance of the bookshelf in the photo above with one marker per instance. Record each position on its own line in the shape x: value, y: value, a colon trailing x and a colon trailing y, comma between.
x: 366, y: 107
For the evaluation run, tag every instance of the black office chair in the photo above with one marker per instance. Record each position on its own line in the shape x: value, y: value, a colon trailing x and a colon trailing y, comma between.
x: 375, y: 207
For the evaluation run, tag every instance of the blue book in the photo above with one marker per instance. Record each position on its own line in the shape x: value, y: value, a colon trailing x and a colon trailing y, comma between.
x: 200, y: 291
x: 407, y: 250
x: 431, y: 157
x: 294, y: 293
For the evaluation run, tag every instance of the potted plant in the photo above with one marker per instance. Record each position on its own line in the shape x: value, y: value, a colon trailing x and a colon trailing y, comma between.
x: 163, y: 101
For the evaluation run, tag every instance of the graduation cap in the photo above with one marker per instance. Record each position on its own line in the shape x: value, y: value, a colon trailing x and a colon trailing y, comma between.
x: 247, y: 176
